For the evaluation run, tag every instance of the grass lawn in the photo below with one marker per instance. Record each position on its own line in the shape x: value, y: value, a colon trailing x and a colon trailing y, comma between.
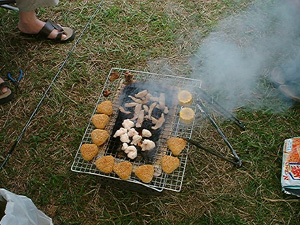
x: 146, y: 35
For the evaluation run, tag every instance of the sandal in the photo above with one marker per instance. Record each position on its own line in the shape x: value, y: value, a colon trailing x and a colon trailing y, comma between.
x: 7, y: 96
x: 48, y: 28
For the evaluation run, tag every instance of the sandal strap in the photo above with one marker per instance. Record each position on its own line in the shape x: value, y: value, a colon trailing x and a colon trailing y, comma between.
x: 46, y: 30
x: 3, y: 85
x: 59, y: 35
x: 49, y: 27
x: 56, y: 26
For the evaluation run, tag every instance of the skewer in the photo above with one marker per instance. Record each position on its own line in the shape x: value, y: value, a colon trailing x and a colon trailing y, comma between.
x: 203, y: 108
x: 212, y: 152
x: 232, y: 117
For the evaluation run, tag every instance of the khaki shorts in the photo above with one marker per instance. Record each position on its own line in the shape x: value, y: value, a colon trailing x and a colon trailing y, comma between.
x: 29, y: 5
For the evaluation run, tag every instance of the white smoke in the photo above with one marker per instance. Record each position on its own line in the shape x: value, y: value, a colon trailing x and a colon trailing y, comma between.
x: 233, y: 59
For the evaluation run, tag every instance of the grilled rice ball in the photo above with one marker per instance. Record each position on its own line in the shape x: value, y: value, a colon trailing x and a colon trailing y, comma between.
x: 100, y: 120
x: 176, y: 145
x: 88, y: 151
x: 123, y: 170
x: 105, y: 108
x: 145, y: 173
x: 105, y: 163
x: 186, y: 115
x: 185, y: 97
x: 99, y: 136
x: 169, y: 163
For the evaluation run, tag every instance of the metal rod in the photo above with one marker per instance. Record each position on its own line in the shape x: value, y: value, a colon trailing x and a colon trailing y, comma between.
x: 203, y: 108
x: 49, y: 87
x: 214, y: 103
x: 212, y: 152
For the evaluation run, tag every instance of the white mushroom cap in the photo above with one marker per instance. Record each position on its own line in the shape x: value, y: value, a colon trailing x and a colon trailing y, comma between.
x: 136, y: 139
x: 131, y: 148
x: 127, y: 124
x: 124, y: 138
x: 147, y: 145
x: 132, y: 155
x: 131, y: 152
x: 132, y: 132
x: 125, y: 146
x: 146, y: 133
x: 120, y: 132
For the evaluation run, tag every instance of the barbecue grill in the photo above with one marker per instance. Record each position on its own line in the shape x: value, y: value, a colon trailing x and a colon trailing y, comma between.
x: 116, y: 83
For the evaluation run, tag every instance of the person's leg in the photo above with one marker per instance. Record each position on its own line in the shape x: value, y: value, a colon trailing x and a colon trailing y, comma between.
x: 30, y: 24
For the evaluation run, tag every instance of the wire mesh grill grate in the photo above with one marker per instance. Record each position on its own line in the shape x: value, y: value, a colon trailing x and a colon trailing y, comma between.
x: 173, y: 126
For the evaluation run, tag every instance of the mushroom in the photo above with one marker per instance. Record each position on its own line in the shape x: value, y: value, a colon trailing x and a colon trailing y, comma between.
x: 139, y: 101
x: 127, y: 124
x: 130, y: 104
x: 159, y: 122
x: 141, y: 94
x: 152, y: 106
x: 120, y: 132
x: 132, y: 152
x: 137, y: 110
x: 136, y: 139
x: 166, y: 110
x: 132, y: 132
x: 146, y: 133
x: 124, y: 146
x: 162, y: 101
x: 123, y: 110
x: 140, y: 119
x: 147, y: 145
x: 124, y: 138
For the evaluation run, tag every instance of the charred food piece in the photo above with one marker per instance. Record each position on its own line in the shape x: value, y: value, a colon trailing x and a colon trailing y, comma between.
x: 100, y: 120
x: 176, y: 145
x: 105, y: 163
x: 128, y: 76
x: 114, y: 75
x: 106, y: 93
x: 99, y: 136
x: 145, y: 173
x: 169, y: 163
x: 123, y: 170
x: 89, y: 151
x: 105, y: 108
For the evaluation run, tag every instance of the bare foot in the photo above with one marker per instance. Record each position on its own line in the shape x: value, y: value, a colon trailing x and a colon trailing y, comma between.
x: 30, y: 24
x: 4, y: 90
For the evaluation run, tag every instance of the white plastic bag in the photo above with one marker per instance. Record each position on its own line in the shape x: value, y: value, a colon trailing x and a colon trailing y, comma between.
x: 20, y: 210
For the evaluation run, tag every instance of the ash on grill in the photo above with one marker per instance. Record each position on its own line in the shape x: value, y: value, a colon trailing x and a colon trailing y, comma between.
x: 129, y: 97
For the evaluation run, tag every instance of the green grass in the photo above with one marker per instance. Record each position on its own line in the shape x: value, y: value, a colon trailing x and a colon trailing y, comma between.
x: 134, y: 34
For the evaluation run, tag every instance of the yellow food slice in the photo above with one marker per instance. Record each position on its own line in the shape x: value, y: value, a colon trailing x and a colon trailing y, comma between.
x: 185, y: 97
x: 186, y: 115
